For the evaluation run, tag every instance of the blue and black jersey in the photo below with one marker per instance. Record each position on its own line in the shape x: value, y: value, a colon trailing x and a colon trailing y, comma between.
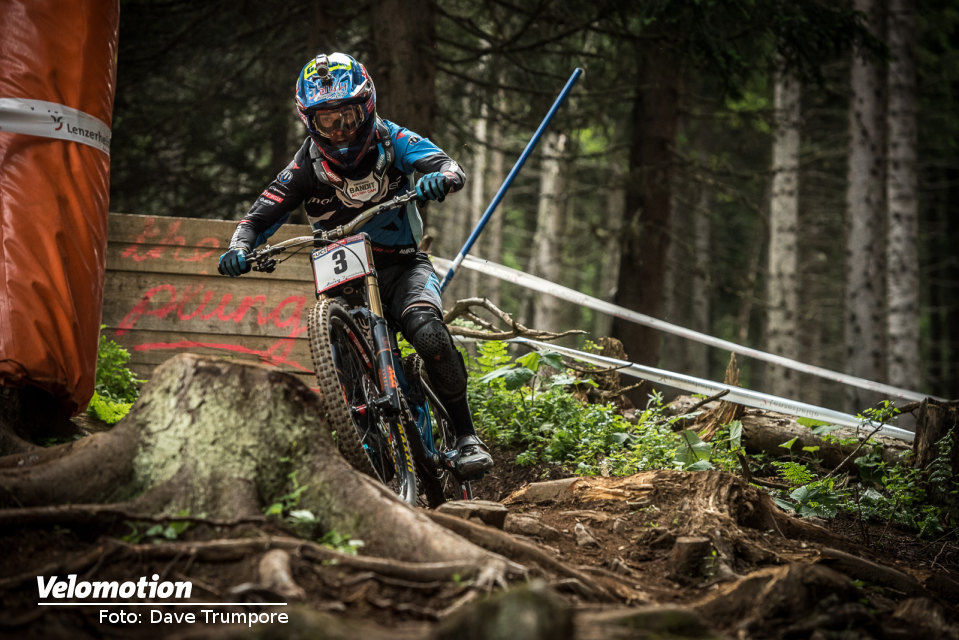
x: 331, y: 198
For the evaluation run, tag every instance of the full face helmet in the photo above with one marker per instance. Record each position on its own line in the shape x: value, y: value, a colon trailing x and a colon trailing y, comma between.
x: 336, y: 100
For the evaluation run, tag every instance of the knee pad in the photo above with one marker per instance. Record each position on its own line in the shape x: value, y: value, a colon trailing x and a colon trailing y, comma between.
x: 425, y: 330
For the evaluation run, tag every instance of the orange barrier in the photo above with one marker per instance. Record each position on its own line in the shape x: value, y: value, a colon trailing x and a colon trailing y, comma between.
x: 57, y: 81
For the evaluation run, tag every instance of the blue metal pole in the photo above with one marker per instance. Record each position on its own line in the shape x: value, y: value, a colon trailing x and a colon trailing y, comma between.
x: 509, y: 179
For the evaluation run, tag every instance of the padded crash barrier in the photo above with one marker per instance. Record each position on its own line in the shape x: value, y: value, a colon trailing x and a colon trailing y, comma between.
x: 57, y: 82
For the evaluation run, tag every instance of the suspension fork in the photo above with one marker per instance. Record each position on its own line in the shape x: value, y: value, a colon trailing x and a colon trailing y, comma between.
x: 382, y: 342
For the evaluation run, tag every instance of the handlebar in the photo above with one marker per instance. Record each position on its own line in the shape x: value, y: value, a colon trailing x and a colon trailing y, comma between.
x: 262, y: 258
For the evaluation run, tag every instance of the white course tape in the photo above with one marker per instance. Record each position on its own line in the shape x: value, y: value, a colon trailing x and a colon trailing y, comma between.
x: 545, y: 286
x: 52, y: 120
x: 734, y: 394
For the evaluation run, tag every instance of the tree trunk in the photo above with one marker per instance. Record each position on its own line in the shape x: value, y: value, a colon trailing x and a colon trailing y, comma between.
x: 782, y: 331
x: 648, y: 200
x: 550, y: 221
x: 494, y: 179
x: 902, y: 274
x: 615, y: 207
x: 865, y: 206
x: 478, y: 186
x: 699, y: 291
x: 403, y: 65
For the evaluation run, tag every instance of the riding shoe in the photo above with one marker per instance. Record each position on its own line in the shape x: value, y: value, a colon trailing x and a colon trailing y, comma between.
x: 474, y: 458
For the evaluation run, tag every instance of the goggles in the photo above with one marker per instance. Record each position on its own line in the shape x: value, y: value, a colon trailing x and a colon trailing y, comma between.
x: 347, y: 119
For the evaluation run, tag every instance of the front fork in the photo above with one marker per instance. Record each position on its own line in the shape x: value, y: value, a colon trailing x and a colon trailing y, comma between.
x: 392, y: 380
x: 386, y: 366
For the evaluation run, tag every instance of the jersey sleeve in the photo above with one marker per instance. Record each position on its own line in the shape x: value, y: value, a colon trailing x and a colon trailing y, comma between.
x: 275, y: 204
x: 416, y: 153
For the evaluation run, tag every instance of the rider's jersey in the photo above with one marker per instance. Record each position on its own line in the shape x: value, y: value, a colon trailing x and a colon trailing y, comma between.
x: 331, y: 198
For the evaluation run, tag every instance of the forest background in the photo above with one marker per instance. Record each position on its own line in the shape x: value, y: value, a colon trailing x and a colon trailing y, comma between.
x: 781, y: 174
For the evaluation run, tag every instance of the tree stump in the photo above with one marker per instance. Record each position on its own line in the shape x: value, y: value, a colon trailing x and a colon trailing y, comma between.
x: 687, y: 560
x: 936, y: 446
x: 224, y: 439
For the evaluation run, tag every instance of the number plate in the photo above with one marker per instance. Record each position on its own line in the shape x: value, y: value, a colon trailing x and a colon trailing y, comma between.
x: 340, y: 262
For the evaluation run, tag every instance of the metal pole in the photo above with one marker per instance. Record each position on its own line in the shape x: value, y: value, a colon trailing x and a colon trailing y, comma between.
x: 509, y: 179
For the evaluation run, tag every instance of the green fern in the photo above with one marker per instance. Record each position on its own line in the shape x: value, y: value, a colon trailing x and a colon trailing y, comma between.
x: 116, y: 387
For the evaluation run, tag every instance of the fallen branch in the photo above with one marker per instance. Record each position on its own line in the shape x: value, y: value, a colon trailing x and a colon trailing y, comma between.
x: 466, y: 309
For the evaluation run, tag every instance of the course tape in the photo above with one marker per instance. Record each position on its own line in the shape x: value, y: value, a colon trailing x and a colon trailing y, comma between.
x: 734, y: 394
x: 52, y: 120
x: 545, y: 286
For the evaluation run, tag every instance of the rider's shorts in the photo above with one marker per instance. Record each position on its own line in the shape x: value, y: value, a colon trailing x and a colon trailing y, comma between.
x: 406, y: 283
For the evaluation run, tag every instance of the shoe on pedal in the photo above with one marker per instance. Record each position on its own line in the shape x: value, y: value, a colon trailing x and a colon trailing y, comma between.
x: 474, y: 458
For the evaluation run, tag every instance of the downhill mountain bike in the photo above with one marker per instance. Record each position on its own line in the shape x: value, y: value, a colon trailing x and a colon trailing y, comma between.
x: 388, y: 421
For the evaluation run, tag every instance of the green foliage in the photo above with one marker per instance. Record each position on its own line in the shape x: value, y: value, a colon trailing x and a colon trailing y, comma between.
x: 516, y: 404
x: 116, y: 387
x: 694, y: 454
x: 817, y: 499
x: 287, y: 503
x: 106, y: 410
x: 157, y: 532
x: 339, y: 542
x: 895, y: 493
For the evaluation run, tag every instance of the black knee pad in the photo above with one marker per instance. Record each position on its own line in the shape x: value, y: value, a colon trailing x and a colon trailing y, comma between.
x: 425, y: 330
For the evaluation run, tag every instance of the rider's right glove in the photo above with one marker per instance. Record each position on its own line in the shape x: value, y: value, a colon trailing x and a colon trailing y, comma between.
x: 233, y: 263
x: 433, y: 186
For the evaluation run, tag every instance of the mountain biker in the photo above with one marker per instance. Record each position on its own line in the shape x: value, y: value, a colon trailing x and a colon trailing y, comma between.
x: 352, y: 158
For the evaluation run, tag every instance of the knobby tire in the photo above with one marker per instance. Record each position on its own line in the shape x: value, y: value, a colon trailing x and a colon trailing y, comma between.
x: 344, y: 365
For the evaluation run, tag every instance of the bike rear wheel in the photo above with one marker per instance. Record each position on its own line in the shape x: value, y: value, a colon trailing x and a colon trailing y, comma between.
x: 370, y: 440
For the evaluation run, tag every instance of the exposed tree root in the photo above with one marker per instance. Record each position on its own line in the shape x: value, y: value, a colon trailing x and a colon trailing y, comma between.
x: 509, y: 546
x: 219, y: 439
x: 103, y: 515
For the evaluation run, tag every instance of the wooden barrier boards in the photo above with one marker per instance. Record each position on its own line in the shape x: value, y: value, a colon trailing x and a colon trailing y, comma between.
x: 163, y: 296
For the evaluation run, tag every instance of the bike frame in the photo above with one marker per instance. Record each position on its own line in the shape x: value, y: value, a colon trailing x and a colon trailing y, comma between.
x: 375, y: 318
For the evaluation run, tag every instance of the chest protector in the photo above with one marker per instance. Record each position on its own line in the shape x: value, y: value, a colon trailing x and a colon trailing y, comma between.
x: 368, y: 187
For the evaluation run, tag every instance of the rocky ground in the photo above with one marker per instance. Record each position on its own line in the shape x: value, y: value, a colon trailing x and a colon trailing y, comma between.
x: 690, y: 555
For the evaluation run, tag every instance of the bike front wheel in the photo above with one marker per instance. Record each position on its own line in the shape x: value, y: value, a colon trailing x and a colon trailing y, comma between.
x: 371, y: 441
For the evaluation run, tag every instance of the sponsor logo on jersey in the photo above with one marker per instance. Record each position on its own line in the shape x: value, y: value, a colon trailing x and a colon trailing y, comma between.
x: 274, y: 198
x: 331, y: 175
x: 361, y: 190
x: 285, y: 176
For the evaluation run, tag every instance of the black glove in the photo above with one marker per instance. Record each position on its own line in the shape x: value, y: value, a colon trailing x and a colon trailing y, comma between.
x: 433, y: 186
x: 233, y: 263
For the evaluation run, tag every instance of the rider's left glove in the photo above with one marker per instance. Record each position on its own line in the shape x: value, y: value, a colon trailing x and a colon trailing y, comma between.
x: 433, y: 186
x: 233, y: 263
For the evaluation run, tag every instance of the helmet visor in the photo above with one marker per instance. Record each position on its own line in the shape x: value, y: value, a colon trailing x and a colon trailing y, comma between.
x: 347, y: 119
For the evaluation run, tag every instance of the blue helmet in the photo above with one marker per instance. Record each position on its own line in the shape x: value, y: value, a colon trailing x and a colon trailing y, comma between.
x: 336, y: 100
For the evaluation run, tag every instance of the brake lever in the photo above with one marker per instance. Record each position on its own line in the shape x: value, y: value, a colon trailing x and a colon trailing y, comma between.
x: 266, y: 265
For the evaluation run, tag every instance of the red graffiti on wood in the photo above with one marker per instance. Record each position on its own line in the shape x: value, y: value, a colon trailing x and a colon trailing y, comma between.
x: 278, y: 354
x: 151, y: 234
x: 194, y: 302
